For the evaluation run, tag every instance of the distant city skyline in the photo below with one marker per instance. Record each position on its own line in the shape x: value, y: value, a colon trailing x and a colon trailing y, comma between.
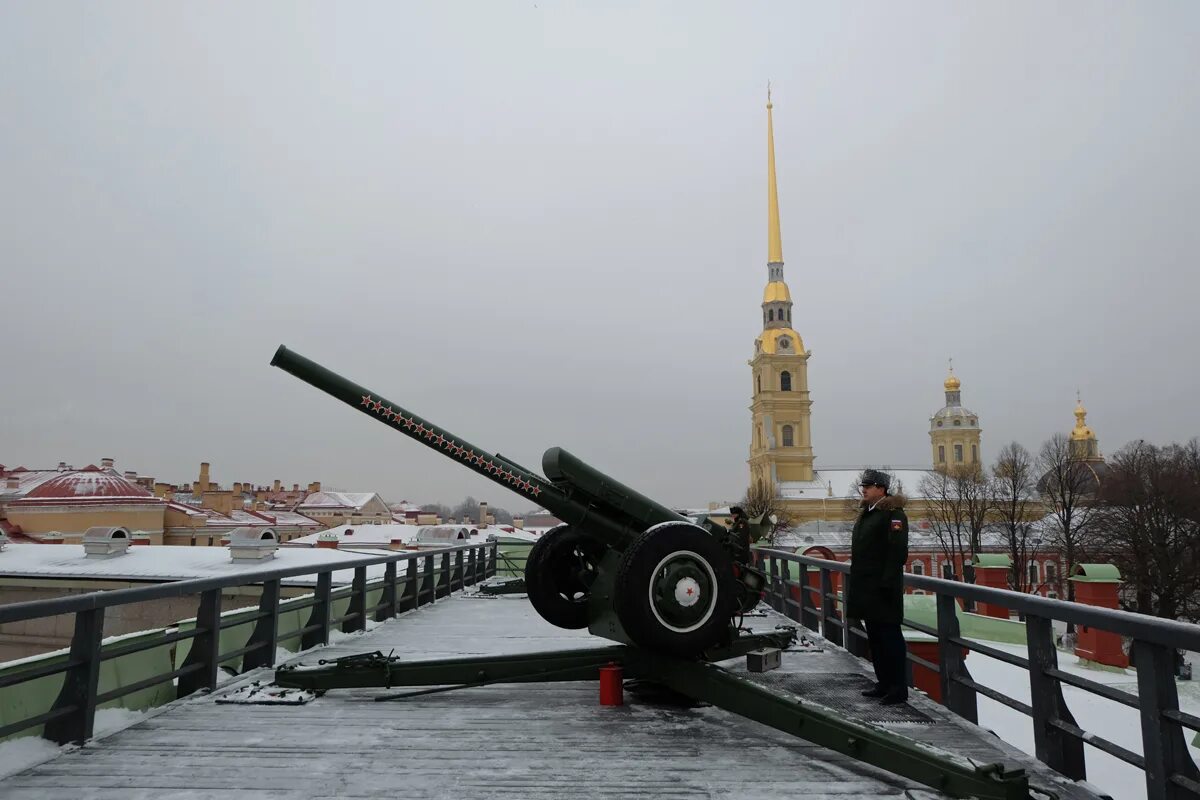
x: 542, y: 226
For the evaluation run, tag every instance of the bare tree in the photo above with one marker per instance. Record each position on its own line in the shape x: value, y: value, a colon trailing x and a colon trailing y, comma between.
x: 948, y: 516
x: 1149, y: 526
x: 763, y: 500
x: 1068, y: 490
x: 1014, y: 486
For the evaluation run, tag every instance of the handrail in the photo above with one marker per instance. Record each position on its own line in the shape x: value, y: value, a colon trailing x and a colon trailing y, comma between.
x: 431, y: 574
x: 1059, y: 741
x: 1127, y: 623
x: 32, y: 609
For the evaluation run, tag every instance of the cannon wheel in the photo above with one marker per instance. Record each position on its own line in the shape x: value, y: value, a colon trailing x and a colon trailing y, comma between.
x: 559, y: 574
x: 675, y: 590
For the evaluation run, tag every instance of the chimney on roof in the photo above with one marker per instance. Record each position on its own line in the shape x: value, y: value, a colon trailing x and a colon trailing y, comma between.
x: 277, y: 485
x: 296, y: 488
x: 54, y: 537
x: 518, y: 522
x: 237, y: 488
x: 62, y: 466
x: 314, y: 487
x: 13, y: 482
x: 140, y: 539
x: 202, y: 485
x: 221, y: 502
x: 162, y: 490
x: 131, y: 475
x: 106, y: 463
x: 327, y: 539
x: 484, y: 519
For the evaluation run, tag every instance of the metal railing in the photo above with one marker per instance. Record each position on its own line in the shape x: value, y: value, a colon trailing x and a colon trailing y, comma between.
x: 1058, y: 741
x: 429, y: 576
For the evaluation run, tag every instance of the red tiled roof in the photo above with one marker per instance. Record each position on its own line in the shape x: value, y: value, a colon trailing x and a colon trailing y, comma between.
x: 91, y: 485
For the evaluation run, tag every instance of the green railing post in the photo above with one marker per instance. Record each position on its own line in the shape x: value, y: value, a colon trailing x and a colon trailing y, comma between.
x: 958, y: 698
x: 266, y: 630
x: 357, y: 610
x: 388, y: 600
x: 1163, y: 743
x: 830, y: 627
x: 412, y: 586
x: 80, y: 682
x: 1051, y: 744
x: 318, y: 618
x: 206, y: 646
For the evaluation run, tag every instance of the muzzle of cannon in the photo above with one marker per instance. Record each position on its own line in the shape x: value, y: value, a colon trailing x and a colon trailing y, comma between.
x: 625, y: 567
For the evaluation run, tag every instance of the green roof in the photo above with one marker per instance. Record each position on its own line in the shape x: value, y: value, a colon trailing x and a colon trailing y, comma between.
x: 1096, y: 573
x: 993, y: 560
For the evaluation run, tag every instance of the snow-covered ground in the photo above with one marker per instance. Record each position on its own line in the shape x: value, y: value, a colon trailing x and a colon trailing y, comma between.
x: 1105, y: 718
x: 19, y: 754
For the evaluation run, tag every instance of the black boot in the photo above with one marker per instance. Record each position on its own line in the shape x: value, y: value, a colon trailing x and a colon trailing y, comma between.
x: 893, y: 697
x: 879, y: 691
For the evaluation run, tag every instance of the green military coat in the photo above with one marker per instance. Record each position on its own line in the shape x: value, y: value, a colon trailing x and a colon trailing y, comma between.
x: 878, y: 552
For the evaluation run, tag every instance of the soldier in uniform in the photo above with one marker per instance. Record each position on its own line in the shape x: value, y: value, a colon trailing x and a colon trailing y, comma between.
x: 737, y: 543
x: 878, y: 552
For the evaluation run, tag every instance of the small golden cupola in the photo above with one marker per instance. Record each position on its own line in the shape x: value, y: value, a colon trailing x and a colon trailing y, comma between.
x: 1084, y: 445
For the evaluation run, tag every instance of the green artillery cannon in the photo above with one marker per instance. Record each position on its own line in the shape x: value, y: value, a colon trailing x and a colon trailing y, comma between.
x: 633, y: 571
x: 625, y: 567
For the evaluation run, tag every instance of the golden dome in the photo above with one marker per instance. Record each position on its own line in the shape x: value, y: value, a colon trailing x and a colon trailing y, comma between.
x: 952, y: 383
x: 777, y: 292
x: 771, y: 342
x: 1082, y: 432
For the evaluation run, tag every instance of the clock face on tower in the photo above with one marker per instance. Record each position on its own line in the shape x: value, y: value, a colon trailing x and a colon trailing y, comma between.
x: 784, y: 343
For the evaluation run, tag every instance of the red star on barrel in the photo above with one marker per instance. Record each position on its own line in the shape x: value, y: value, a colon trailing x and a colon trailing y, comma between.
x: 376, y: 405
x: 366, y: 401
x: 439, y: 439
x: 420, y: 429
x: 690, y: 592
x: 535, y: 491
x: 408, y: 423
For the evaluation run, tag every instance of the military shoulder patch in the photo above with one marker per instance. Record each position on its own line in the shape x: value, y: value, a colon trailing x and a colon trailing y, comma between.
x: 897, y: 525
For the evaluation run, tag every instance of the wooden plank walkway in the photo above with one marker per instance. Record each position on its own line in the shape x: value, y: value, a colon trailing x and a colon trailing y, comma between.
x: 505, y: 741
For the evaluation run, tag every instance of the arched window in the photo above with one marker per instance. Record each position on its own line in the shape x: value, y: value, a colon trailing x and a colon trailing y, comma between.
x: 941, y: 454
x: 974, y: 454
x: 1033, y: 573
x: 758, y: 383
x: 785, y: 381
x: 787, y: 435
x: 1051, y: 572
x: 958, y: 453
x: 918, y: 568
x: 947, y: 570
x: 770, y: 315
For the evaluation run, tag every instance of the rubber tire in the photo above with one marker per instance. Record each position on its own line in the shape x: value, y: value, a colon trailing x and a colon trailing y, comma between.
x: 539, y: 583
x: 633, y: 583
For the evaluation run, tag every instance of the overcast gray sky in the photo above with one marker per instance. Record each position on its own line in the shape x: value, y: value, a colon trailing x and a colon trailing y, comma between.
x: 545, y: 224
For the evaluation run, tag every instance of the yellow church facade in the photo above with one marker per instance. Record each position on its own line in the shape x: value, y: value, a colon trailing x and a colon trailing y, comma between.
x: 781, y: 451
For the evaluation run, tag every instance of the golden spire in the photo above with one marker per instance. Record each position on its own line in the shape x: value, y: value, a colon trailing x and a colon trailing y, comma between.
x: 774, y: 243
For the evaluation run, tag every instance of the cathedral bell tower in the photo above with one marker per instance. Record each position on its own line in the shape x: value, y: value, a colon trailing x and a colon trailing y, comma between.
x: 954, y: 431
x: 780, y: 437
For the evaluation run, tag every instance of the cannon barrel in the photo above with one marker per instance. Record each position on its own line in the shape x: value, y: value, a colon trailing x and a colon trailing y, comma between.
x: 583, y: 503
